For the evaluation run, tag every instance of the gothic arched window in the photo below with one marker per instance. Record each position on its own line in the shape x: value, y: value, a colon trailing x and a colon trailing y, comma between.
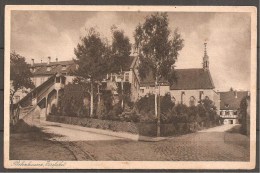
x: 173, y: 99
x: 192, y: 101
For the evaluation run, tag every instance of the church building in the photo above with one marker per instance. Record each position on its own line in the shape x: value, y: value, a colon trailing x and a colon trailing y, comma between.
x: 191, y: 86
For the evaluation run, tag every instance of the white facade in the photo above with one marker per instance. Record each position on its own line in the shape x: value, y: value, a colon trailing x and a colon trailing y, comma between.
x: 183, y: 96
x: 229, y: 116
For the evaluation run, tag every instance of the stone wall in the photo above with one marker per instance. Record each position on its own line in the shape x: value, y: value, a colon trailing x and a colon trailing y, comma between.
x: 144, y: 129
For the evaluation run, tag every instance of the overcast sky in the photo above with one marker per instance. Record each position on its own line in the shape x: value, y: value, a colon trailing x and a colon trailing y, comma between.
x: 39, y: 34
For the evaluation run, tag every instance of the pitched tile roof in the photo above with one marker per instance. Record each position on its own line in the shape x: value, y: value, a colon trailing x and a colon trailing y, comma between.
x: 55, y: 67
x: 187, y: 79
x: 229, y: 101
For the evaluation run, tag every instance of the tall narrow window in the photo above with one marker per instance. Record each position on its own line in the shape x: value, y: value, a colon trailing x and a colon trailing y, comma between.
x: 127, y: 77
x: 182, y: 97
x: 173, y: 99
x: 192, y: 101
x: 201, y: 95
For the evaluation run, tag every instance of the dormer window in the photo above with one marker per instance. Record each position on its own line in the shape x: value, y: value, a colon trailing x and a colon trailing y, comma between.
x: 63, y: 67
x: 48, y: 68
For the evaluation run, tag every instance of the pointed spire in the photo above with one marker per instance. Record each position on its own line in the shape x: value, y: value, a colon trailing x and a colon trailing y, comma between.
x: 205, y: 48
x: 205, y: 57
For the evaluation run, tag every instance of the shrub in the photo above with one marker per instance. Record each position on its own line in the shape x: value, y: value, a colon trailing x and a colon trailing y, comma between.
x: 115, y: 113
x: 146, y: 108
x: 146, y: 104
x: 179, y: 113
x: 192, y: 112
x: 166, y: 103
x: 243, y: 114
x: 107, y: 99
x: 147, y: 117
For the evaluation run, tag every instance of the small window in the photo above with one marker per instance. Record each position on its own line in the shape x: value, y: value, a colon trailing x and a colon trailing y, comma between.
x: 192, y: 101
x: 147, y: 87
x: 227, y: 113
x: 17, y: 99
x: 173, y: 99
x: 57, y: 79
x: 127, y: 77
x: 235, y: 112
x: 64, y: 67
x: 48, y: 68
x: 201, y: 95
x: 226, y: 105
x: 142, y: 90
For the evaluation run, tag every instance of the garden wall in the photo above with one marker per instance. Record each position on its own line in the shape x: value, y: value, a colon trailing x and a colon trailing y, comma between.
x: 144, y: 129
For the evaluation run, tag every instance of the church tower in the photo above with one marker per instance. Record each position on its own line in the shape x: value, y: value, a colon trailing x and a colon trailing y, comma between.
x: 205, y: 58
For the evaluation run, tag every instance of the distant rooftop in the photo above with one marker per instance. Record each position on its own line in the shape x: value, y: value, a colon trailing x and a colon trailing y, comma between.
x: 69, y: 66
x: 230, y: 100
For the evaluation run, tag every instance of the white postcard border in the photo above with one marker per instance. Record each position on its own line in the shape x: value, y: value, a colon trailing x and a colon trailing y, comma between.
x: 37, y: 164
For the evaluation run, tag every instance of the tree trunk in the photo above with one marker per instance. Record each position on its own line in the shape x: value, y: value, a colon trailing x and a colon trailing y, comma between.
x: 122, y: 89
x: 159, y: 114
x: 91, y: 100
x: 155, y: 98
x: 98, y: 94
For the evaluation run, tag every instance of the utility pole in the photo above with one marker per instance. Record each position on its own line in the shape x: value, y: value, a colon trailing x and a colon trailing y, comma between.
x: 122, y: 88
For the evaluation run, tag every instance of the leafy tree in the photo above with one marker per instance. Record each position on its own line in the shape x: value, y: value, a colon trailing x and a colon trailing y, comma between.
x: 20, y: 78
x: 19, y: 74
x: 92, y: 56
x: 121, y: 50
x: 207, y: 111
x: 243, y: 113
x: 157, y: 50
x: 72, y: 100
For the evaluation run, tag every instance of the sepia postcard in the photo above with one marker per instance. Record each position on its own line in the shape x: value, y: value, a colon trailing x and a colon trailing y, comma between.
x: 130, y: 87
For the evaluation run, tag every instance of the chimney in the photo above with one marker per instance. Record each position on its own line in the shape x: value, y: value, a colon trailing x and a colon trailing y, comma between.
x: 49, y: 59
x: 56, y: 59
x: 32, y: 62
